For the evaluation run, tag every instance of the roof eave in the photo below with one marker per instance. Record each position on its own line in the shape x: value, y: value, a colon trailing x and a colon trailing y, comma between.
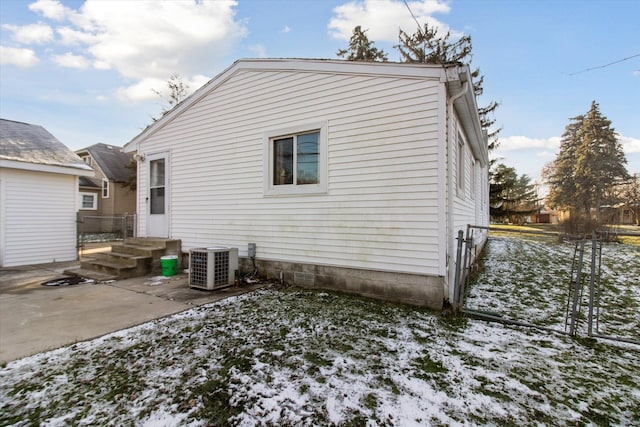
x: 78, y: 170
x: 467, y: 109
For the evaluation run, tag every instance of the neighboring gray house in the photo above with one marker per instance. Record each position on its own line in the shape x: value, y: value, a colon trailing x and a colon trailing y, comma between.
x: 106, y: 193
x: 353, y: 176
x: 39, y: 179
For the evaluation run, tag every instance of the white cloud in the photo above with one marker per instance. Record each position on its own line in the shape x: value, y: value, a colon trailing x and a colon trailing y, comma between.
x: 147, y: 88
x: 196, y: 82
x: 285, y: 30
x: 383, y: 18
x: 51, y: 9
x: 145, y: 41
x: 70, y: 60
x: 510, y: 143
x: 523, y: 142
x: 259, y: 50
x: 629, y: 145
x: 23, y: 58
x: 69, y: 36
x: 143, y: 90
x: 155, y: 39
x: 30, y: 34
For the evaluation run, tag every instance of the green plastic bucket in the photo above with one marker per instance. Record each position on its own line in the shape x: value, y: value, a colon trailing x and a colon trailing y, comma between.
x: 169, y: 264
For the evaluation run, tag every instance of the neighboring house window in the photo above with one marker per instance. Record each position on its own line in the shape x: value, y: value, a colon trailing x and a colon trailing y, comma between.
x: 87, y: 160
x: 88, y: 201
x: 461, y: 164
x: 296, y: 159
x: 105, y: 188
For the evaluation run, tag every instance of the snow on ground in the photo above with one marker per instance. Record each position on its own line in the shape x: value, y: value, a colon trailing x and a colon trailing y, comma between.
x: 295, y: 357
x: 527, y: 279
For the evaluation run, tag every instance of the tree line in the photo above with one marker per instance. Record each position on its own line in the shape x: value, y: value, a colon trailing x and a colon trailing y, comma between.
x: 588, y: 175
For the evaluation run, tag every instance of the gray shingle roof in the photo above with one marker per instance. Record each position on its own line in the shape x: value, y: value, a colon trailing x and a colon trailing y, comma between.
x: 112, y: 160
x: 24, y: 142
x: 88, y: 182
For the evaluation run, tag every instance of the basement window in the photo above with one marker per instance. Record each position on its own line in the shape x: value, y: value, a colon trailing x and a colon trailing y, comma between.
x: 296, y: 159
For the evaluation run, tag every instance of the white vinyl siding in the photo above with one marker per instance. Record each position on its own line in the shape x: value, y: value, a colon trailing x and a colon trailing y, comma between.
x: 380, y: 210
x: 470, y: 205
x: 461, y: 166
x: 38, y: 217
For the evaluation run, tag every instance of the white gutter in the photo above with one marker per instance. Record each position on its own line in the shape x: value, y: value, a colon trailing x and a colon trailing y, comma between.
x: 451, y: 191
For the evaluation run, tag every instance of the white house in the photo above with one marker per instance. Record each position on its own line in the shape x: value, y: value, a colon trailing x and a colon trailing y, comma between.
x: 353, y: 176
x: 38, y: 196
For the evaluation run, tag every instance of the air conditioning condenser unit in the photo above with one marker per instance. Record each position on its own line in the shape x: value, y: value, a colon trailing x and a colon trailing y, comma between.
x: 212, y: 268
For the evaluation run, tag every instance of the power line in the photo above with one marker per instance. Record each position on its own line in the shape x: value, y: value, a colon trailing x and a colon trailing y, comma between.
x: 413, y: 16
x: 427, y: 41
x: 605, y: 65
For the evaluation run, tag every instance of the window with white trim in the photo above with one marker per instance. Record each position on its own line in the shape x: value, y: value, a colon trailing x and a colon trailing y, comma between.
x: 296, y: 159
x: 88, y: 201
x: 105, y: 188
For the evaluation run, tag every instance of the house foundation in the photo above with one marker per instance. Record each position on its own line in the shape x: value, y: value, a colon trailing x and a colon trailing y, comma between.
x: 413, y: 289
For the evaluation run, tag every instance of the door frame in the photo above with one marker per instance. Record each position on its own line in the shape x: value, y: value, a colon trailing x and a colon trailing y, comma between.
x: 157, y: 226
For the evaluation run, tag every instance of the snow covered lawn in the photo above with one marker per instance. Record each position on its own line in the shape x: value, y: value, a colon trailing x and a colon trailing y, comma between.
x: 294, y: 357
x: 526, y: 279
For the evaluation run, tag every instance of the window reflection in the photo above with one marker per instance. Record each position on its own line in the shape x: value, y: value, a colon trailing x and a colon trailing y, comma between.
x: 283, y: 161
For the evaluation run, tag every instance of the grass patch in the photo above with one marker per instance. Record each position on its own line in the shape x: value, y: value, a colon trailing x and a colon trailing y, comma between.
x: 297, y: 357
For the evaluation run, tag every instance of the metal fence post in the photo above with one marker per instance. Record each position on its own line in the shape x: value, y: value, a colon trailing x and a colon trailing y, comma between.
x: 456, y: 282
x: 592, y: 282
x: 78, y: 236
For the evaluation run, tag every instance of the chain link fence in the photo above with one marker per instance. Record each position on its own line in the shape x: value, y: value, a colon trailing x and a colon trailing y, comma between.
x: 101, y: 229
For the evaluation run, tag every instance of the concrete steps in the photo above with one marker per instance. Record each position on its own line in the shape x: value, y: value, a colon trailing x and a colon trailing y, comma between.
x: 133, y: 258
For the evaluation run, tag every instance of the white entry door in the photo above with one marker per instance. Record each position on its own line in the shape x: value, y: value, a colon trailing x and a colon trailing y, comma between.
x: 158, y: 195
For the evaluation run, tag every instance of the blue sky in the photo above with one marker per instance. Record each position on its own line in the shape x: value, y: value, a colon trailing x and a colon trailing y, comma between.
x: 85, y: 70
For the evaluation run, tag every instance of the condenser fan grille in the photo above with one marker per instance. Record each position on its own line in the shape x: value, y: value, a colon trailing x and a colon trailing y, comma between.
x: 212, y: 268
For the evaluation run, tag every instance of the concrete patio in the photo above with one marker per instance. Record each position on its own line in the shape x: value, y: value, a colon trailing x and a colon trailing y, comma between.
x: 36, y: 318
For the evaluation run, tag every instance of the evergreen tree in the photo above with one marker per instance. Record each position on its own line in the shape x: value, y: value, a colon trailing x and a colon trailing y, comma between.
x: 426, y: 46
x: 559, y: 174
x: 361, y: 49
x: 511, y: 196
x: 589, y: 163
x: 600, y: 161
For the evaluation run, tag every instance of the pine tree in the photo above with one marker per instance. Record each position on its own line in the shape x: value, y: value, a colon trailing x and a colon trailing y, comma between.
x: 589, y: 163
x: 559, y: 175
x: 426, y: 46
x: 361, y: 49
x: 511, y: 196
x: 600, y: 162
